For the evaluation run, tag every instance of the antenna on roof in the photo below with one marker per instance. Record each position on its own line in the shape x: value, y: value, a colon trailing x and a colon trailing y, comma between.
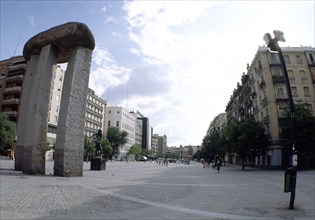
x: 17, y: 46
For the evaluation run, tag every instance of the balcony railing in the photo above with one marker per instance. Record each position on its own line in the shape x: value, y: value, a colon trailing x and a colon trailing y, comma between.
x: 15, y: 78
x: 11, y: 113
x: 278, y: 79
x: 15, y: 67
x: 10, y: 101
x: 13, y: 89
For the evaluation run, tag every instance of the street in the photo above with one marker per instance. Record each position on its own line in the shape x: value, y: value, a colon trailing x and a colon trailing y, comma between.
x: 138, y: 190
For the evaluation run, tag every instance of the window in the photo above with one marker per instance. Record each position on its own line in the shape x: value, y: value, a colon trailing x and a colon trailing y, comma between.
x: 299, y: 59
x: 273, y: 58
x: 291, y: 75
x: 276, y: 72
x: 286, y: 59
x: 117, y: 123
x: 281, y: 92
x: 282, y: 107
x: 109, y: 111
x: 108, y: 124
x: 294, y: 91
x: 303, y: 75
x: 306, y: 91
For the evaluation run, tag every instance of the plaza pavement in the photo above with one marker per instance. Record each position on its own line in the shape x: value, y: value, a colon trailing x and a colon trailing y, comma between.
x: 138, y: 190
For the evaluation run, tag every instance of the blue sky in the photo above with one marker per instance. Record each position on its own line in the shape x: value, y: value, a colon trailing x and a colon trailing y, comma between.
x: 177, y: 62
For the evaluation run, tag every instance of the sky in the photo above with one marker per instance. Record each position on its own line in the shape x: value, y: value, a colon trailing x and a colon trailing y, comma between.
x: 177, y: 62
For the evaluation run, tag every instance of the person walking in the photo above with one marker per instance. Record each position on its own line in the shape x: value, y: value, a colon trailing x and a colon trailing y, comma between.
x: 218, y: 165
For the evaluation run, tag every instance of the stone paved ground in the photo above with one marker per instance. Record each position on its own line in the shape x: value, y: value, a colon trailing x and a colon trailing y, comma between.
x: 150, y: 191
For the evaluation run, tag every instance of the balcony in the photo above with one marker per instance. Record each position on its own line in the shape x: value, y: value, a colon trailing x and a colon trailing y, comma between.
x: 11, y: 113
x: 10, y: 101
x: 16, y: 67
x: 278, y: 79
x: 18, y: 78
x: 264, y: 102
x: 266, y: 120
x: 15, y: 89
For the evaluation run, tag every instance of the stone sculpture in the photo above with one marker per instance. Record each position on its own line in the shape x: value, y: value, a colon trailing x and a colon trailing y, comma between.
x: 71, y: 42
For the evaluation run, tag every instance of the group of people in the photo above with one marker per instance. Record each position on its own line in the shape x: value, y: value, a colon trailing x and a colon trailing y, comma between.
x: 163, y: 162
x: 214, y: 164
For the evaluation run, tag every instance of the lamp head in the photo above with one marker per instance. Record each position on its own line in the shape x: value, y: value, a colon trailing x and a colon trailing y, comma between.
x: 267, y: 38
x: 279, y: 35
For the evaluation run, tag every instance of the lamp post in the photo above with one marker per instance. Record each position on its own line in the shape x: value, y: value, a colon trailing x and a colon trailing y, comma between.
x: 272, y: 43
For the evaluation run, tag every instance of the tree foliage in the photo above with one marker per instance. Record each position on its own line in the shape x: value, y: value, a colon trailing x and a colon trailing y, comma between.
x: 305, y: 129
x: 7, y: 131
x: 246, y: 138
x: 116, y: 138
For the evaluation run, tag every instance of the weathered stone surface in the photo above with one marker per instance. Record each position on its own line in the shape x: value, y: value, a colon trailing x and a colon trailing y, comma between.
x: 65, y: 37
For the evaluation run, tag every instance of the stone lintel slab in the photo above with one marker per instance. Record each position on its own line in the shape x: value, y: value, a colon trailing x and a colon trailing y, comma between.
x: 65, y: 37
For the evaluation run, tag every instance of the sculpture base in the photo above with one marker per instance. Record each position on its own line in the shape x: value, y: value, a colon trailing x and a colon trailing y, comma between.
x: 98, y: 164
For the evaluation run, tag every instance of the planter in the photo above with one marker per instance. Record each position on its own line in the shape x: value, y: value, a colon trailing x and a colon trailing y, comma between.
x: 98, y: 164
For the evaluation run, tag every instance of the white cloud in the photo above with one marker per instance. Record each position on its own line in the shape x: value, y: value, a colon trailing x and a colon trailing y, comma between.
x: 116, y: 34
x: 107, y: 73
x: 109, y: 19
x: 31, y: 19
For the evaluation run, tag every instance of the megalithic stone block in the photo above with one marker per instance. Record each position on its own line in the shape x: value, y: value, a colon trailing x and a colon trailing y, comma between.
x: 70, y: 132
x: 24, y: 103
x: 36, y: 122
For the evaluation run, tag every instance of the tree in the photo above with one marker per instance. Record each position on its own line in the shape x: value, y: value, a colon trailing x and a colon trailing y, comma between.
x: 117, y: 138
x: 106, y: 147
x: 89, y: 148
x: 136, y: 150
x: 7, y: 132
x: 305, y: 133
x: 246, y: 138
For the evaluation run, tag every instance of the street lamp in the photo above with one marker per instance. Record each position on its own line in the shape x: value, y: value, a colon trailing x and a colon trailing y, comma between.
x: 272, y: 43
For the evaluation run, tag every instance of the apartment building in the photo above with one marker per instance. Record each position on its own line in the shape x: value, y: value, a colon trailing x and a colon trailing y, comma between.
x: 54, y: 104
x: 162, y: 144
x: 217, y: 123
x: 263, y: 94
x: 95, y: 114
x: 154, y: 145
x: 121, y: 118
x: 12, y: 72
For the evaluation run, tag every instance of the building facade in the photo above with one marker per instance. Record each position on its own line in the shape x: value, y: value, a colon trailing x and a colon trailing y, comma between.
x: 95, y: 114
x: 125, y: 121
x: 263, y: 94
x: 11, y: 81
x: 54, y: 104
x: 154, y: 145
x: 217, y: 123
